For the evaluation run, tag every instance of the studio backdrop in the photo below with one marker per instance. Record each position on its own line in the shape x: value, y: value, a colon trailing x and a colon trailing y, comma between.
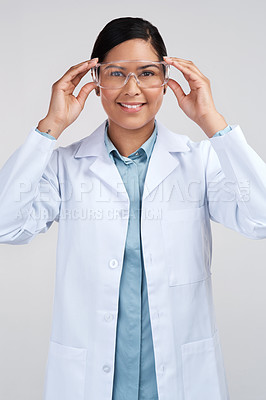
x: 40, y: 42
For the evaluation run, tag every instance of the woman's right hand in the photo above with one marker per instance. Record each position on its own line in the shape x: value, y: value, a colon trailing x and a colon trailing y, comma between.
x: 64, y: 107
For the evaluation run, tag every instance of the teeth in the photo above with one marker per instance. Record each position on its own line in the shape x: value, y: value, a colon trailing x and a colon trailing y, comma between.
x: 128, y: 106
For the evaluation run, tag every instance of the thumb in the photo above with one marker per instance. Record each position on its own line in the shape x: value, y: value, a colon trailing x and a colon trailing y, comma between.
x: 178, y: 91
x: 84, y: 92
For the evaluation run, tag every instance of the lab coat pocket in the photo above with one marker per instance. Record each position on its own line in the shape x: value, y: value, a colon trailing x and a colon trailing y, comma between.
x: 186, y: 245
x: 203, y: 370
x: 65, y: 372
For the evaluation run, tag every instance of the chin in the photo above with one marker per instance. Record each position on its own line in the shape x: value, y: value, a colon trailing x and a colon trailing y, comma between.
x: 130, y: 122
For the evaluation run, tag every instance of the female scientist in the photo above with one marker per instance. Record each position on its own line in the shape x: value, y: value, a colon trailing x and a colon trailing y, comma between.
x: 133, y: 315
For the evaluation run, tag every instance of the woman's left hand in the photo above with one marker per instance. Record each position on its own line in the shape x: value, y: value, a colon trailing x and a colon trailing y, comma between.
x: 198, y: 105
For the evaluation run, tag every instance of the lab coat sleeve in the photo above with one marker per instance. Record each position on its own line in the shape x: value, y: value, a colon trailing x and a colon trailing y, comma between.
x: 236, y: 184
x: 29, y: 190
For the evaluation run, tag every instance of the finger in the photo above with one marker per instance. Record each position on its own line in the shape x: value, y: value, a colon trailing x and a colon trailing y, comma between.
x: 78, y: 78
x: 189, y: 73
x: 191, y: 66
x: 84, y: 92
x: 181, y: 60
x: 187, y: 63
x: 77, y: 69
x: 178, y: 91
x: 84, y: 62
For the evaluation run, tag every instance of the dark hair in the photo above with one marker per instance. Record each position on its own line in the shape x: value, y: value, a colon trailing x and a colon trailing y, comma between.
x: 125, y: 28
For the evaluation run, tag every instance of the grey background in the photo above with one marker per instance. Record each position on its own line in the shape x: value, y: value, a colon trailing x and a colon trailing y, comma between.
x: 40, y: 41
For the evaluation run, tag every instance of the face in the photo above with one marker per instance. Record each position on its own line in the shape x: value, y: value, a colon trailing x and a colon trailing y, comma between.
x: 134, y: 49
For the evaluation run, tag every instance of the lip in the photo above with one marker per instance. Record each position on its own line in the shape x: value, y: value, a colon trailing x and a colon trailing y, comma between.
x: 132, y: 110
x: 131, y: 104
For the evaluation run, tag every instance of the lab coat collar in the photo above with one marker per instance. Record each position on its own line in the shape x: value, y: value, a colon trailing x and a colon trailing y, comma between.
x: 161, y: 163
x: 93, y: 145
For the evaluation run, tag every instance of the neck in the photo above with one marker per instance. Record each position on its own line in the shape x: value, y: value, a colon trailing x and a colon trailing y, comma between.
x: 129, y: 140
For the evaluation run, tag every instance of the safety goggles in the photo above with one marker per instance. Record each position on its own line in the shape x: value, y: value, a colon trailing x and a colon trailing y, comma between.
x: 114, y: 75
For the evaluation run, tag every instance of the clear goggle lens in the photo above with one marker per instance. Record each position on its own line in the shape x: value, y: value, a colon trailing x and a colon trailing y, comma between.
x: 114, y: 75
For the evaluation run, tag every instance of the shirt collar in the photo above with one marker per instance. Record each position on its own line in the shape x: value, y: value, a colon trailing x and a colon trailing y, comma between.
x: 146, y: 146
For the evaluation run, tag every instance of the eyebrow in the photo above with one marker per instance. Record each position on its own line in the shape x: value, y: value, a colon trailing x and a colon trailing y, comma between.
x: 145, y: 66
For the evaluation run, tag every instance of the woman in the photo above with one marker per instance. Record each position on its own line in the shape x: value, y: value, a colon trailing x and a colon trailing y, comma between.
x: 133, y: 313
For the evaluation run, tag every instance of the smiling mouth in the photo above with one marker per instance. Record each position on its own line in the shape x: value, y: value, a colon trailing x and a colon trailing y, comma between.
x: 131, y: 105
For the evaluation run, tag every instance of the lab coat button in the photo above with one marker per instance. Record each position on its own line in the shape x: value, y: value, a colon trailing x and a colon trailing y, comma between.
x: 106, y: 368
x: 108, y: 317
x: 113, y: 263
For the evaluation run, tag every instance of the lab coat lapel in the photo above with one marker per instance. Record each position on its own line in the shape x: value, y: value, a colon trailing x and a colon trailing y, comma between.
x: 162, y: 162
x: 102, y: 166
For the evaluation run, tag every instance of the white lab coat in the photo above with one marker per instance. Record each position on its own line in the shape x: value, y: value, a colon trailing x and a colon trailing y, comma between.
x: 187, y: 184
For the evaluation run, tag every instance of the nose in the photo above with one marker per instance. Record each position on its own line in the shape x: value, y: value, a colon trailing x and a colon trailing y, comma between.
x: 132, y: 86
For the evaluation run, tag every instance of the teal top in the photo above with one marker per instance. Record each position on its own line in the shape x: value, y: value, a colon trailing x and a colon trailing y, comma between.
x: 134, y: 373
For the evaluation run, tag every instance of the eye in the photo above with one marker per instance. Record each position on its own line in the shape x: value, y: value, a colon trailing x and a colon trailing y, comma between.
x: 116, y: 72
x: 148, y: 72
